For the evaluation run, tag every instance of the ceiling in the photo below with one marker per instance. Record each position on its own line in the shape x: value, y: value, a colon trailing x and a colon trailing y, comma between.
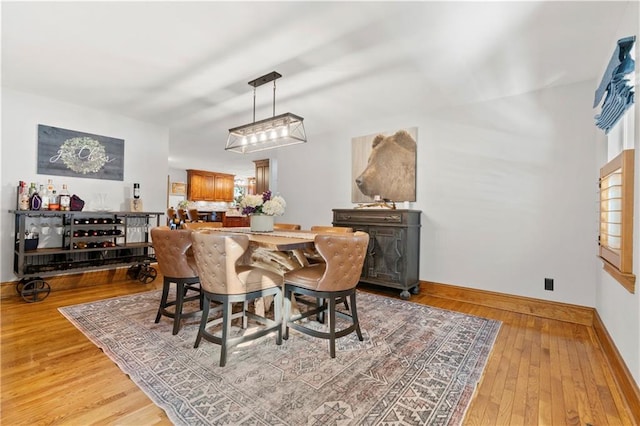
x: 186, y: 65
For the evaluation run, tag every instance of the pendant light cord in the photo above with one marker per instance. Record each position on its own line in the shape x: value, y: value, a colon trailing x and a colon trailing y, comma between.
x: 254, y: 104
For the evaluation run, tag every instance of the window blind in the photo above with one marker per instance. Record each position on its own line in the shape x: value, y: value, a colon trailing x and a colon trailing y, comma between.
x: 618, y: 88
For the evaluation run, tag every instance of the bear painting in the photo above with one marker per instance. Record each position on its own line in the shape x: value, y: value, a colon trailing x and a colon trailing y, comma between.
x: 390, y: 169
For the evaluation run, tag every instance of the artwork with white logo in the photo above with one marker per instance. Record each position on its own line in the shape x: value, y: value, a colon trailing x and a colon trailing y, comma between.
x: 64, y: 152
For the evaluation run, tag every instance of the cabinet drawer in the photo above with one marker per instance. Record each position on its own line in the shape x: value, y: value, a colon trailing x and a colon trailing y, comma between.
x: 368, y: 217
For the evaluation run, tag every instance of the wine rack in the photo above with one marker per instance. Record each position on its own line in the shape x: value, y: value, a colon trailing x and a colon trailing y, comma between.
x: 79, y: 241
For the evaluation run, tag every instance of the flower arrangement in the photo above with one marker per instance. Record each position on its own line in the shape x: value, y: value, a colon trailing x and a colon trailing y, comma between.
x: 263, y: 204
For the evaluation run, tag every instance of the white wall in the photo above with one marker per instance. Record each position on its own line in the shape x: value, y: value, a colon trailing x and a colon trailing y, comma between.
x: 506, y: 187
x: 146, y: 152
x: 619, y: 309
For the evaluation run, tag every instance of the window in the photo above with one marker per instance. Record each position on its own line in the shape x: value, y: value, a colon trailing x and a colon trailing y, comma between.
x: 616, y: 218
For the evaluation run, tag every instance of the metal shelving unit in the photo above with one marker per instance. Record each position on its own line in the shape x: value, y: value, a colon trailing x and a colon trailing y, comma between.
x: 80, y: 241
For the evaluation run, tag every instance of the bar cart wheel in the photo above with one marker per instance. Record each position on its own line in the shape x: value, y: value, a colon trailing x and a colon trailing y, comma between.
x: 34, y: 289
x: 147, y: 274
x: 20, y: 285
x: 133, y: 271
x: 142, y: 272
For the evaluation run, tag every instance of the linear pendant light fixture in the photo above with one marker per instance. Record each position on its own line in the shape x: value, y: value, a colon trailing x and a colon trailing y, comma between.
x: 279, y: 130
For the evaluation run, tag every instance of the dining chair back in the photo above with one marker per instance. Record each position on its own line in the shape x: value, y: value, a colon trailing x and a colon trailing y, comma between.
x: 201, y: 225
x: 286, y: 226
x: 330, y: 229
x: 176, y: 263
x: 312, y: 254
x: 225, y: 281
x: 182, y: 215
x: 328, y: 283
x: 193, y: 215
x: 171, y: 215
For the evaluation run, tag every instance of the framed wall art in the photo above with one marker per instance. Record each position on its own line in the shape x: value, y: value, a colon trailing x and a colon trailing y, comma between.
x: 178, y: 188
x: 384, y: 164
x: 64, y: 152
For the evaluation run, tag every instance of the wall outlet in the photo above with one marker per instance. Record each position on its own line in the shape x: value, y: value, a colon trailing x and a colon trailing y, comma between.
x: 548, y: 284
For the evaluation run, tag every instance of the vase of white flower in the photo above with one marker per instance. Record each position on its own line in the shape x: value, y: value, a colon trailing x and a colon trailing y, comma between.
x: 261, y: 208
x: 261, y: 223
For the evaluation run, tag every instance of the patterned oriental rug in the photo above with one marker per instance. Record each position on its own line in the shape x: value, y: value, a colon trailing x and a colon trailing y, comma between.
x: 416, y: 365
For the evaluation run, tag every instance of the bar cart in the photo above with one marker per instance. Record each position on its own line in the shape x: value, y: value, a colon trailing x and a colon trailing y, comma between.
x: 49, y: 243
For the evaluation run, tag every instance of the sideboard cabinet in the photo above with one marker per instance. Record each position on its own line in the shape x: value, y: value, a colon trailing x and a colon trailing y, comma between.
x: 393, y: 255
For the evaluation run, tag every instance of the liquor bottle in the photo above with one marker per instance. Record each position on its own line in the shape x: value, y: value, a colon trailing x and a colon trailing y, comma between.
x: 50, y: 189
x: 54, y: 201
x: 32, y: 190
x: 136, y: 190
x: 35, y: 202
x: 42, y: 191
x: 50, y: 186
x: 65, y: 198
x: 23, y: 196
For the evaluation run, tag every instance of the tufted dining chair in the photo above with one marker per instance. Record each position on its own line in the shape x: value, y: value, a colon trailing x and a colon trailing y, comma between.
x: 177, y: 265
x: 193, y: 215
x: 171, y: 215
x: 311, y: 254
x: 225, y: 281
x: 182, y: 215
x: 328, y: 282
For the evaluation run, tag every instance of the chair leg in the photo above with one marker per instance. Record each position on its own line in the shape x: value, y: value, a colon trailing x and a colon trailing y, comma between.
x: 354, y: 315
x: 287, y: 313
x: 245, y: 319
x: 163, y: 300
x: 277, y: 316
x: 332, y: 327
x: 320, y: 315
x: 180, y: 291
x: 226, y: 331
x: 203, y: 320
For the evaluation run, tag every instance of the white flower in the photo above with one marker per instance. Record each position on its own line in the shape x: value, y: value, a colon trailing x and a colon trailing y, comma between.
x: 275, y: 206
x: 251, y: 201
x: 264, y: 203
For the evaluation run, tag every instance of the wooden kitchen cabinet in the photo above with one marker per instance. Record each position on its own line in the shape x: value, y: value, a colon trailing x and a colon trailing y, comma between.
x: 393, y: 255
x: 224, y: 187
x: 200, y: 187
x: 209, y: 186
x: 262, y: 175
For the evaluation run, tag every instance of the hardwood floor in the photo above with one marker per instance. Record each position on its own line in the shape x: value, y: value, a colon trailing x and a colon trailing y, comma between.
x: 541, y: 372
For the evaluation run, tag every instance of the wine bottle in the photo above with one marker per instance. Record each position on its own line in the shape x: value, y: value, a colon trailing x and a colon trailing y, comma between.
x: 65, y: 198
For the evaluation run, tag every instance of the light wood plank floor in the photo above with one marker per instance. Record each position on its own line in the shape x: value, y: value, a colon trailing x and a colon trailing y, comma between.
x: 541, y: 372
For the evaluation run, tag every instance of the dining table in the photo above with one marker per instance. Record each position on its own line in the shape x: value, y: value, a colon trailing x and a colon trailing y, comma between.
x: 276, y: 242
x: 294, y: 241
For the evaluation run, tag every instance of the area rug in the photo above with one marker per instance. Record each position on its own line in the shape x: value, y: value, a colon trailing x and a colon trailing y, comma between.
x: 417, y: 365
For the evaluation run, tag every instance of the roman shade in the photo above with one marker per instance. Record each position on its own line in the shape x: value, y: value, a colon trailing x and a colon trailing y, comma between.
x: 619, y: 89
